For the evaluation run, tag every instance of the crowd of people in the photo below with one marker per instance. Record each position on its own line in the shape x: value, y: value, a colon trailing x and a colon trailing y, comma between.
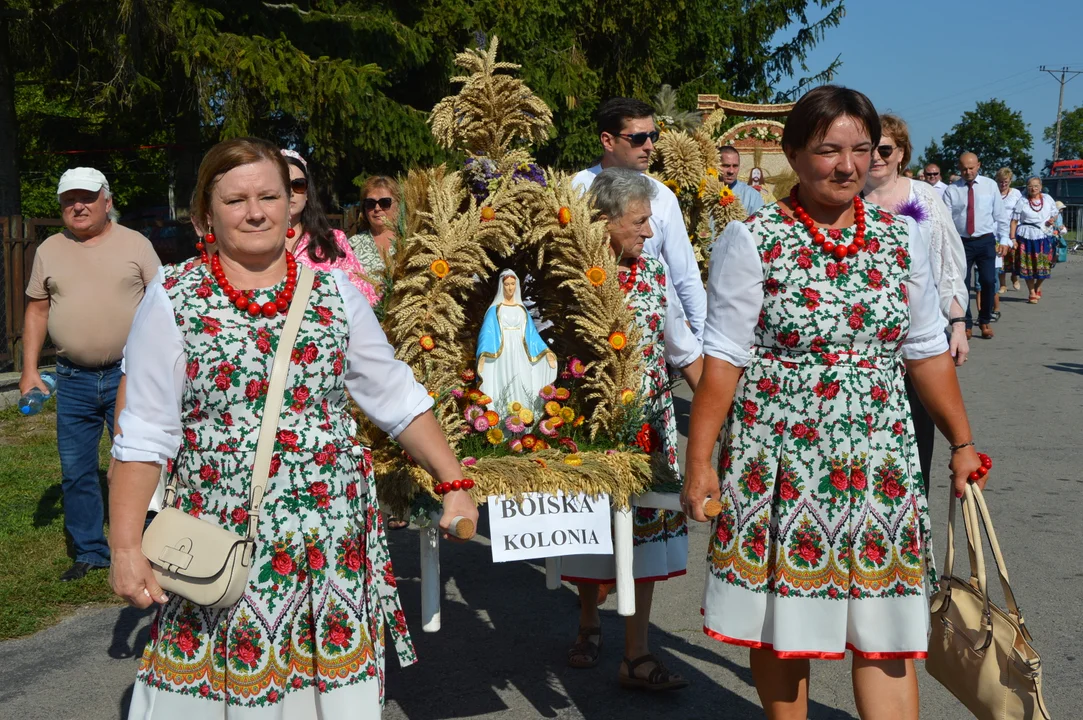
x: 821, y: 352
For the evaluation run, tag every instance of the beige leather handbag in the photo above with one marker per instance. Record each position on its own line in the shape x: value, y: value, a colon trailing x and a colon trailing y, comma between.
x: 980, y: 653
x: 199, y: 560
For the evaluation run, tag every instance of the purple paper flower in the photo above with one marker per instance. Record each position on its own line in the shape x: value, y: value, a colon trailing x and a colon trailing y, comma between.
x: 913, y: 209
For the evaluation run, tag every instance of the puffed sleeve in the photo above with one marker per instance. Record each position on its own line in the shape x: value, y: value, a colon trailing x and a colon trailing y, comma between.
x: 682, y: 347
x: 926, y: 337
x: 680, y: 260
x: 734, y: 296
x: 154, y: 365
x: 382, y: 386
x: 949, y: 277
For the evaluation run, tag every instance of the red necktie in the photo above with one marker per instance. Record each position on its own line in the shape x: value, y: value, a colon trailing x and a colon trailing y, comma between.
x: 970, y: 209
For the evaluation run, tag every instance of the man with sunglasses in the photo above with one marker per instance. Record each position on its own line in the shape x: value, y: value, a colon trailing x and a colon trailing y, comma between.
x: 978, y: 212
x: 750, y: 197
x: 932, y: 176
x: 627, y: 133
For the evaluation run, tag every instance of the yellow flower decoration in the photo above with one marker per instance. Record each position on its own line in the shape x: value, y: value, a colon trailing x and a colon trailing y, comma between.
x: 563, y: 394
x: 627, y: 397
x: 672, y: 185
x: 487, y: 214
x: 552, y: 408
x: 495, y: 436
x: 527, y: 416
x: 567, y: 414
x: 573, y: 459
x: 515, y: 407
x: 596, y: 275
x: 713, y: 172
x: 618, y: 340
x: 427, y: 343
x: 725, y: 191
x: 556, y: 422
x: 440, y: 268
x: 702, y: 187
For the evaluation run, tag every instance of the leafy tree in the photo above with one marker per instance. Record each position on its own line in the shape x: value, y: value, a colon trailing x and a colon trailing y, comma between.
x: 350, y: 83
x: 1071, y: 134
x: 992, y: 131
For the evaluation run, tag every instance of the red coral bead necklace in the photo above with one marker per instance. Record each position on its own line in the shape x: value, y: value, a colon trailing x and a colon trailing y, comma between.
x: 841, y: 250
x: 243, y: 299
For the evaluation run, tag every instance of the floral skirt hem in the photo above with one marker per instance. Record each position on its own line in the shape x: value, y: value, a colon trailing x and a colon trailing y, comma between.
x: 884, y: 628
x: 358, y: 701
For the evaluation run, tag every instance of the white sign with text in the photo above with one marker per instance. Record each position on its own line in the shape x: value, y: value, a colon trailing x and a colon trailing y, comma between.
x: 538, y: 525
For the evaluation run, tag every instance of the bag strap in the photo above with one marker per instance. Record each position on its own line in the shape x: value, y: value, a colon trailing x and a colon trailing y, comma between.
x: 998, y: 559
x: 276, y: 387
x: 973, y: 538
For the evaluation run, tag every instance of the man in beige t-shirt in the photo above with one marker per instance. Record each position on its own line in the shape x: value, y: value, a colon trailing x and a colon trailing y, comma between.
x: 84, y: 289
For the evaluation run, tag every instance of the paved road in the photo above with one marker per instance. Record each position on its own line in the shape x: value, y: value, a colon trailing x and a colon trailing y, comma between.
x: 501, y: 652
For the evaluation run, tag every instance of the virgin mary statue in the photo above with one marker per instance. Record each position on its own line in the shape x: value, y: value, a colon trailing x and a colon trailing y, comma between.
x: 514, y: 362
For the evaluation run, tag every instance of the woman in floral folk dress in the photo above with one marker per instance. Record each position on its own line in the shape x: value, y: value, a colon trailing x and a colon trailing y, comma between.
x: 623, y: 198
x: 816, y: 304
x: 306, y: 639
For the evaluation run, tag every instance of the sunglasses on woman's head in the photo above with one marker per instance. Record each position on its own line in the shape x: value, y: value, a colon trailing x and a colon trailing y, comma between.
x: 370, y: 203
x: 299, y: 185
x: 640, y: 138
x: 884, y: 151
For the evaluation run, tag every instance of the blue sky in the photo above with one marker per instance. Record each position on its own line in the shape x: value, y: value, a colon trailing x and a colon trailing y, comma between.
x: 929, y: 61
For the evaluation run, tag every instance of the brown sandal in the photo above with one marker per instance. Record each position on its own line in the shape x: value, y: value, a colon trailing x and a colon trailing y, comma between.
x: 583, y: 653
x: 658, y: 679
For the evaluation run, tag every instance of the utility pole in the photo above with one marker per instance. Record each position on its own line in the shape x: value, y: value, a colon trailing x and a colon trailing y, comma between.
x: 1063, y: 79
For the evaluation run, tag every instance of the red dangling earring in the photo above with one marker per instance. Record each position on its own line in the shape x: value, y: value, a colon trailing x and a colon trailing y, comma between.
x: 290, y: 232
x: 209, y: 238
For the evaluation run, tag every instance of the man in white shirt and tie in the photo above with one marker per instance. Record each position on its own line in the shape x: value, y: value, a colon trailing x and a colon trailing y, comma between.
x: 932, y: 176
x: 627, y: 133
x: 978, y: 211
x: 731, y: 164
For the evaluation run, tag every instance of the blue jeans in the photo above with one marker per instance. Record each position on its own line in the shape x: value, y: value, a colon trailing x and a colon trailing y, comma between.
x: 85, y: 399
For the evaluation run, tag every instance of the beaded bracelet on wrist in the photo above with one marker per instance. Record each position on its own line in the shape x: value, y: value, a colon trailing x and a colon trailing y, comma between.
x: 445, y: 487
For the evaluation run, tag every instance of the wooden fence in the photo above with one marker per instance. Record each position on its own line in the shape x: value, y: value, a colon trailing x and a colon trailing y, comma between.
x: 20, y: 238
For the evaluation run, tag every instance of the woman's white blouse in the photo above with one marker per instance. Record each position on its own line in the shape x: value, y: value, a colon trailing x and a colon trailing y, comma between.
x: 1032, y: 223
x: 382, y: 386
x: 947, y: 259
x: 735, y: 298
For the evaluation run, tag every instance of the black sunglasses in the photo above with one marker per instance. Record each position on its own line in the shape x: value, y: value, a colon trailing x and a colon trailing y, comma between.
x: 299, y: 185
x: 370, y: 203
x: 931, y: 174
x: 640, y: 138
x: 884, y: 151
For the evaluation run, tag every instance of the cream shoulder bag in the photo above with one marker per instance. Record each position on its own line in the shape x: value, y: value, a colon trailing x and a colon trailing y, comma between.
x: 201, y: 561
x: 980, y: 653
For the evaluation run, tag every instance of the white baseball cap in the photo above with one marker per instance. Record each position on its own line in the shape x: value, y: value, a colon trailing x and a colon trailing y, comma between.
x: 82, y: 178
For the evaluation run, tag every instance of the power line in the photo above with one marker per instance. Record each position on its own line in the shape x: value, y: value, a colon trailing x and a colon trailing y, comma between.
x: 1064, y: 79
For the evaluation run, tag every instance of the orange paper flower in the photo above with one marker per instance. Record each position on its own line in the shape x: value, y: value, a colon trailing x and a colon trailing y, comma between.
x: 529, y: 441
x: 552, y: 408
x: 427, y: 343
x: 564, y: 216
x: 579, y: 421
x: 596, y: 275
x: 440, y: 268
x: 618, y: 340
x: 627, y: 397
x: 492, y: 417
x: 563, y: 394
x: 487, y: 214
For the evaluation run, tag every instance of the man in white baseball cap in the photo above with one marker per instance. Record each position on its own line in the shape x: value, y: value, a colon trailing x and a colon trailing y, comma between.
x: 83, y: 289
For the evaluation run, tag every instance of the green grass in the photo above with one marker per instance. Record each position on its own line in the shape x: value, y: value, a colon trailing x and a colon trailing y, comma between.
x: 33, y: 550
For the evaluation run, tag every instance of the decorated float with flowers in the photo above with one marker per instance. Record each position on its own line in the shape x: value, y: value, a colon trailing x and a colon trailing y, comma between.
x: 502, y: 236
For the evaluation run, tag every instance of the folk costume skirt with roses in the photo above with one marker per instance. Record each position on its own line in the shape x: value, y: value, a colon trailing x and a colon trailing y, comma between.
x: 822, y: 544
x: 659, y: 537
x: 306, y: 640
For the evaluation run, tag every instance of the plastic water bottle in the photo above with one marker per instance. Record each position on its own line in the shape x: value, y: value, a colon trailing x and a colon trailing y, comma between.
x: 32, y: 402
